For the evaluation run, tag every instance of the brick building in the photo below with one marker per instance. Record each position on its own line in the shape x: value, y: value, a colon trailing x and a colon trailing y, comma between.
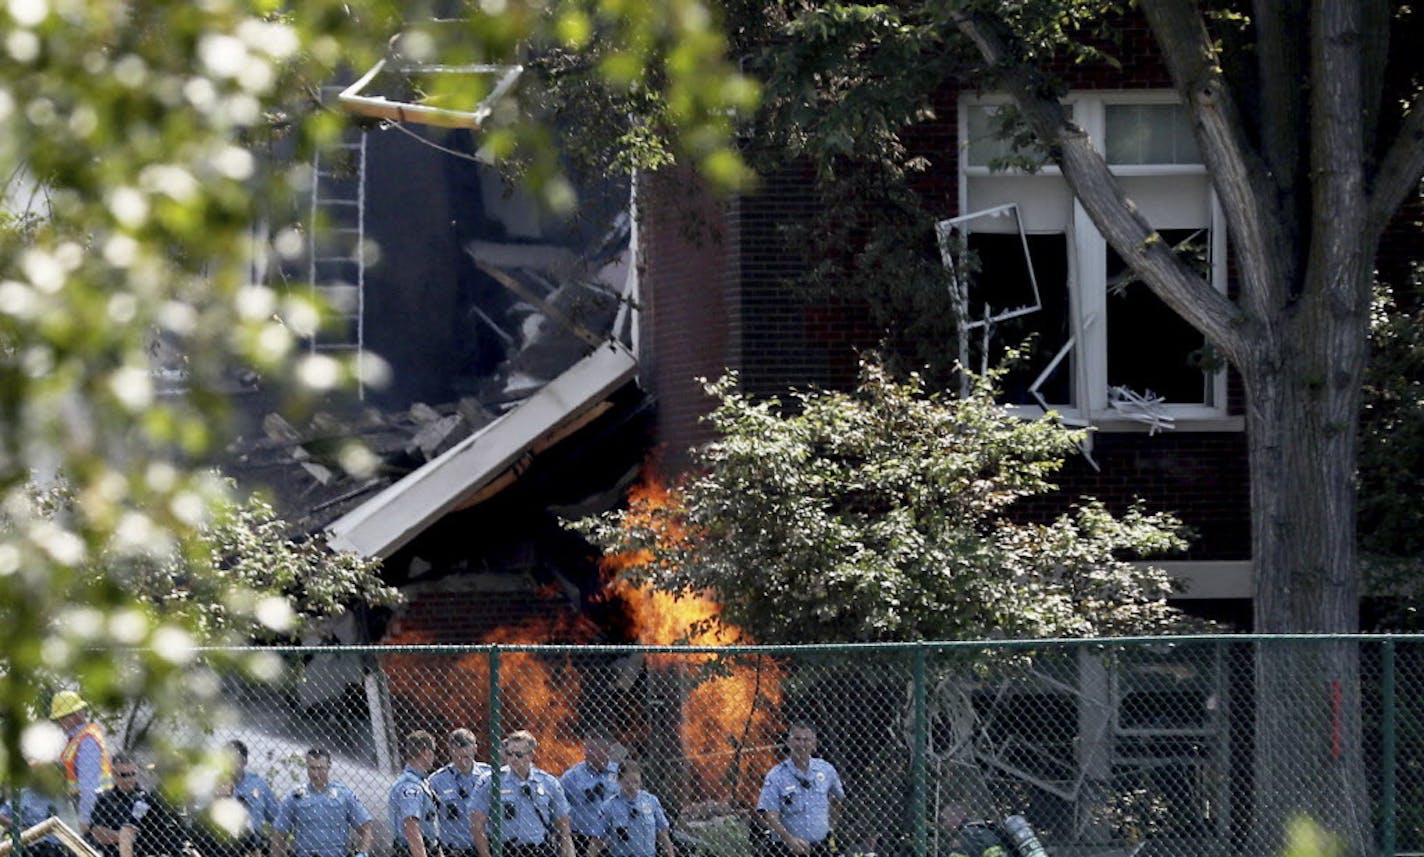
x: 1195, y: 468
x: 712, y: 284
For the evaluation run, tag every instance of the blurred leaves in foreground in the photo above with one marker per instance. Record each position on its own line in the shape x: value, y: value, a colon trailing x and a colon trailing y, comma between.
x: 152, y: 161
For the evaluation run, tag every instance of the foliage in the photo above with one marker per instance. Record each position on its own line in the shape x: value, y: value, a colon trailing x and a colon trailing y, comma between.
x: 1306, y: 838
x: 140, y: 144
x: 250, y: 580
x: 889, y: 514
x: 249, y: 551
x: 1392, y: 445
x: 616, y: 104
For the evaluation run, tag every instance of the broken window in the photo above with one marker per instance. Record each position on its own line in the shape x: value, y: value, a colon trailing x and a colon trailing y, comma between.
x: 1151, y: 349
x: 1101, y: 344
x: 1003, y: 263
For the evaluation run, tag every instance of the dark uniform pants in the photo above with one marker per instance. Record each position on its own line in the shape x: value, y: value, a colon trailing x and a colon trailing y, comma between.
x: 818, y: 849
x: 581, y: 843
x: 526, y: 849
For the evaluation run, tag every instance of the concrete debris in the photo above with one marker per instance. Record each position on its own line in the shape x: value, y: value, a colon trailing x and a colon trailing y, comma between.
x: 278, y: 429
x: 435, y: 436
x: 321, y: 474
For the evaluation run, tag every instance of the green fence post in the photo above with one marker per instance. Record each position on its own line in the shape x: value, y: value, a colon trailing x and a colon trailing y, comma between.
x: 496, y: 804
x: 1387, y: 752
x: 917, y: 798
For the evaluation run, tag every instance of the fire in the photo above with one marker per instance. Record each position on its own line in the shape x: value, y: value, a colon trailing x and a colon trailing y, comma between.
x: 730, y: 720
x: 538, y: 695
x: 709, y: 722
x: 535, y: 693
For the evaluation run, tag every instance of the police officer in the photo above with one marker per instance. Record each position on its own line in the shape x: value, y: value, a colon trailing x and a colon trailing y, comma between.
x: 319, y: 817
x: 534, y: 815
x: 86, y: 755
x: 587, y: 785
x: 411, y: 803
x: 632, y: 823
x: 455, y: 786
x: 801, y: 797
x: 130, y: 821
x: 34, y: 807
x: 254, y: 794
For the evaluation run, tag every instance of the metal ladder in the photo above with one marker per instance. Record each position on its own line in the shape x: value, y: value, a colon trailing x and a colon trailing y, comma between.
x: 336, y: 242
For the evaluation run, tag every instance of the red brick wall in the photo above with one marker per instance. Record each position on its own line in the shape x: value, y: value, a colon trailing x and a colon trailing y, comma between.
x: 461, y: 611
x: 1199, y: 476
x: 717, y: 294
x: 689, y: 320
x: 781, y: 339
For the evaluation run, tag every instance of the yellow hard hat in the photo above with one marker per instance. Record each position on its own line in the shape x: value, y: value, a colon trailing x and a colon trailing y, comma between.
x: 65, y: 703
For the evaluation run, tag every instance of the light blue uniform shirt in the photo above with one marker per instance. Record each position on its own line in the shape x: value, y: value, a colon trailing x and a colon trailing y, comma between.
x: 803, y: 799
x: 453, y: 793
x: 321, y: 824
x: 630, y: 827
x: 586, y: 790
x: 530, y: 806
x: 35, y: 807
x: 257, y: 796
x: 411, y: 797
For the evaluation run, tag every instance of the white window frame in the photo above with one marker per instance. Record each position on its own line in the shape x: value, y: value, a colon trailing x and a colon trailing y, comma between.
x: 1087, y: 256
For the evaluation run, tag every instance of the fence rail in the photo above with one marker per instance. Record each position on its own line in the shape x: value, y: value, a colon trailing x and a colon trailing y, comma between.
x: 1153, y: 746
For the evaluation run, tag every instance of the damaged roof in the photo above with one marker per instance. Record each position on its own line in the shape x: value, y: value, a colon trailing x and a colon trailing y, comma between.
x: 486, y: 461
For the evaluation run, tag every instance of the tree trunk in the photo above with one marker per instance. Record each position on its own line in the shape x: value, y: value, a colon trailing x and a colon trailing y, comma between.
x: 1303, y: 396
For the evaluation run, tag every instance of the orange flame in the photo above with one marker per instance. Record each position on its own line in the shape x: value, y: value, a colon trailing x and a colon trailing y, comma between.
x: 730, y: 720
x: 538, y: 695
x: 535, y: 693
x: 727, y: 719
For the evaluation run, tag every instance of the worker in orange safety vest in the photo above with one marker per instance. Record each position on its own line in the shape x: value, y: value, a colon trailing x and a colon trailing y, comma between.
x: 85, y: 757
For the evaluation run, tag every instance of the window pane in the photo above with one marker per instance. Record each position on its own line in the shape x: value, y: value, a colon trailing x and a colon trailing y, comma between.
x: 1149, y: 134
x: 1150, y: 347
x: 999, y: 271
x: 984, y: 142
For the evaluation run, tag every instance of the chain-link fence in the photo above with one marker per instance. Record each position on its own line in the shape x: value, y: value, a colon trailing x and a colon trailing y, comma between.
x: 1164, y: 746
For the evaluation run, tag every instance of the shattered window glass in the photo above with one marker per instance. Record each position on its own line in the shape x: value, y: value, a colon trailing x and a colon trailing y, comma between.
x: 999, y: 267
x: 1150, y: 347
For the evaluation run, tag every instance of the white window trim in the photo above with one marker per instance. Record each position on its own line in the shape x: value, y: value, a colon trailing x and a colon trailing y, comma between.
x: 1087, y: 260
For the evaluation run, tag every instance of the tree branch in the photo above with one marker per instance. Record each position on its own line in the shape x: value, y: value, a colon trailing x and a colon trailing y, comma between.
x: 1338, y: 149
x: 1374, y: 47
x: 1245, y: 184
x: 1281, y: 58
x: 1101, y: 195
x: 1400, y: 170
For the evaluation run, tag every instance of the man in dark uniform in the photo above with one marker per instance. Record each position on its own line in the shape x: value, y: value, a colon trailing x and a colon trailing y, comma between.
x: 131, y: 821
x: 960, y: 837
